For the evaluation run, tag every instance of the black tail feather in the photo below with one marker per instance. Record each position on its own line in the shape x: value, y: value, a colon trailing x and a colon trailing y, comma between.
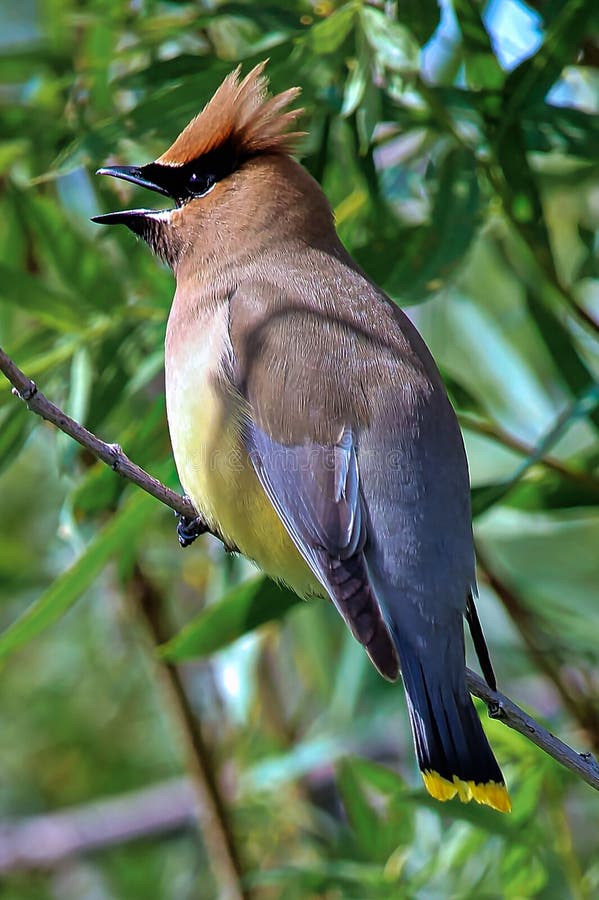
x: 453, y: 753
x: 480, y: 645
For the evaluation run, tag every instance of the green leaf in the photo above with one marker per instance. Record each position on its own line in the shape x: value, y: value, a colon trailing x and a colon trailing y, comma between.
x: 394, y: 45
x: 373, y: 796
x: 243, y: 609
x: 269, y: 18
x: 521, y: 194
x: 485, y: 497
x: 53, y: 308
x: 430, y: 253
x: 561, y: 347
x: 483, y: 71
x: 421, y: 16
x: 559, y: 128
x: 362, y: 817
x: 77, y: 405
x: 552, y: 491
x: 488, y: 820
x: 328, y: 878
x: 529, y: 82
x: 11, y: 152
x: 96, y: 490
x: 379, y: 777
x: 272, y: 773
x: 368, y: 115
x: 328, y: 35
x: 355, y: 84
x: 16, y: 423
x: 523, y: 872
x: 80, y: 385
x: 121, y: 530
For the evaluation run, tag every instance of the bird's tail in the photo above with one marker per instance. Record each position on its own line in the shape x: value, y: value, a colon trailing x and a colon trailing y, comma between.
x: 453, y: 753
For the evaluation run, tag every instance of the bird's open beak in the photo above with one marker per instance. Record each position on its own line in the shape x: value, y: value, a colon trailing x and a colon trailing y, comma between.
x: 135, y: 175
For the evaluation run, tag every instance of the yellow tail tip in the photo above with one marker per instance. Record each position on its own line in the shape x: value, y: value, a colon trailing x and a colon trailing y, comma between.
x: 491, y: 794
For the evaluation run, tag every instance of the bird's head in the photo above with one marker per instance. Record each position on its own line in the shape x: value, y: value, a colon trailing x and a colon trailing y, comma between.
x: 221, y: 171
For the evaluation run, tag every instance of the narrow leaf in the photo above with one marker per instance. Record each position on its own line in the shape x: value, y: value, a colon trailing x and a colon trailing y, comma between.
x: 15, y: 424
x: 393, y: 44
x: 34, y: 296
x: 482, y: 68
x: 529, y: 82
x: 68, y: 587
x: 245, y: 608
x: 362, y: 817
x: 327, y: 35
x: 431, y: 253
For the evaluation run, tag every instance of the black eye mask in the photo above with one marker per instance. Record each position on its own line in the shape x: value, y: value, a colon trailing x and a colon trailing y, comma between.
x: 195, y: 178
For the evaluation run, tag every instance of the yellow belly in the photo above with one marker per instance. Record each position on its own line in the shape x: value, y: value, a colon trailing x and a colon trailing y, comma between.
x: 217, y: 474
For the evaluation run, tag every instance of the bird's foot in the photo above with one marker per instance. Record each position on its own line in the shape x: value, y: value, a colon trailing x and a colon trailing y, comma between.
x: 190, y: 529
x: 495, y: 710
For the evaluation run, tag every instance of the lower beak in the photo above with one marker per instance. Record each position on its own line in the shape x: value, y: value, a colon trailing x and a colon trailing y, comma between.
x: 123, y: 217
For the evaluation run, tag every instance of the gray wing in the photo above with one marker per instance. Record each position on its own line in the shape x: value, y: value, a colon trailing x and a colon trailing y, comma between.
x: 416, y: 503
x: 315, y: 490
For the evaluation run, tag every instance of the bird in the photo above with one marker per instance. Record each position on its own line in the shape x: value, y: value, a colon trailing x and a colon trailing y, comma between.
x: 309, y: 423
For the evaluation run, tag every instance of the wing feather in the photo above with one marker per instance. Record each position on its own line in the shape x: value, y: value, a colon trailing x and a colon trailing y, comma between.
x: 315, y: 491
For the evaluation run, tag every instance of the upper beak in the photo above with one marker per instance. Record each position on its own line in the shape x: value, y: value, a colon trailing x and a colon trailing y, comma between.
x: 134, y: 174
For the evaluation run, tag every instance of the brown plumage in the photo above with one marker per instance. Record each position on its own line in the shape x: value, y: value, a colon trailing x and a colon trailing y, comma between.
x: 308, y: 420
x: 242, y: 113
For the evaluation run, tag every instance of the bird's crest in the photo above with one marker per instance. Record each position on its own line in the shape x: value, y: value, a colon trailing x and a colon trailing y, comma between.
x: 240, y: 113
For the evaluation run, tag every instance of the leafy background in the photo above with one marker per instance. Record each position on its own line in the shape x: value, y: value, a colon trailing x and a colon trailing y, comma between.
x: 458, y: 146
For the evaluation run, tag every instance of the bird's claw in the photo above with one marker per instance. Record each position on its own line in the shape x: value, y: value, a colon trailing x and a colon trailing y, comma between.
x: 190, y: 529
x: 495, y: 710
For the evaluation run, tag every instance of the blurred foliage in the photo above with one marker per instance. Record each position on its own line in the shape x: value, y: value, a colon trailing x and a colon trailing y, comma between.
x: 458, y: 145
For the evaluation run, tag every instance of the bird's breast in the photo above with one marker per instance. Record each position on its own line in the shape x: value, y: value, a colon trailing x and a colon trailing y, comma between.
x: 205, y: 424
x: 200, y: 423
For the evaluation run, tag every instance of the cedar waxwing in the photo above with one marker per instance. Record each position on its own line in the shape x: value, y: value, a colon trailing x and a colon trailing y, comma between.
x: 309, y: 423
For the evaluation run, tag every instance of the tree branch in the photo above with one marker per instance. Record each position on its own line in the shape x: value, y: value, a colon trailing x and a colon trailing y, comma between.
x: 500, y: 185
x: 212, y: 811
x: 43, y: 841
x: 501, y: 707
x: 582, y: 708
x: 111, y: 454
x: 481, y: 426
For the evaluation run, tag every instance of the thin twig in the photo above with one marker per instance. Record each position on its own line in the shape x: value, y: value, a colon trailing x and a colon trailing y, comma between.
x: 43, y: 841
x: 501, y: 707
x: 211, y: 809
x: 488, y: 429
x: 581, y: 708
x: 500, y: 185
x: 111, y: 454
x: 547, y: 274
x: 583, y: 764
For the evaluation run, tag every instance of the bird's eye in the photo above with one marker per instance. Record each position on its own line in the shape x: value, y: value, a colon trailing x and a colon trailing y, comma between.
x: 199, y: 183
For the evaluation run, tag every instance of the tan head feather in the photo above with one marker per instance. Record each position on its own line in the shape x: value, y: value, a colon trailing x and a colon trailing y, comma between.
x: 241, y: 112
